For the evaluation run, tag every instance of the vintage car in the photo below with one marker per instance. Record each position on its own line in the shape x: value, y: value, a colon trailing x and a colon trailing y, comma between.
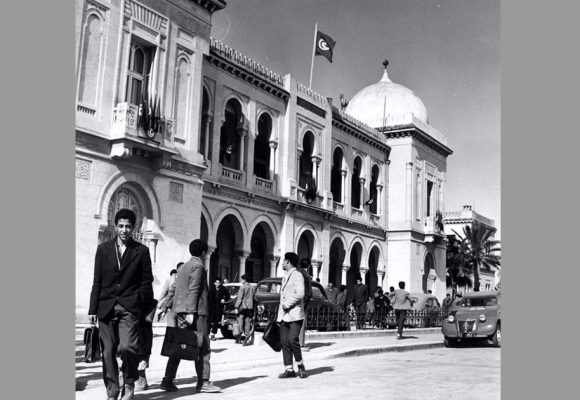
x: 229, y: 315
x: 478, y: 317
x: 322, y: 313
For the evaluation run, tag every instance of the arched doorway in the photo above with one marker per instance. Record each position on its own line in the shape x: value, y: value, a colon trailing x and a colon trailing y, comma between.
x: 371, y: 278
x: 225, y: 260
x: 258, y: 264
x: 336, y: 175
x: 231, y: 135
x: 130, y: 196
x: 335, y: 262
x: 306, y: 179
x: 262, y: 147
x: 429, y: 276
x: 354, y: 270
x: 305, y: 248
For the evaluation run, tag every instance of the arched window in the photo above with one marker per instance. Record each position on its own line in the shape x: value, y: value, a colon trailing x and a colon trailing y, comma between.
x: 182, y: 109
x: 306, y: 180
x: 138, y: 72
x: 355, y: 184
x: 373, y: 189
x: 90, y: 61
x: 262, y: 147
x: 336, y: 175
x: 205, y: 137
x: 230, y: 135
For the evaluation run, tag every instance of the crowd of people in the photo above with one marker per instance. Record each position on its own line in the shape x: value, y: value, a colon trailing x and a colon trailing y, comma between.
x: 123, y: 304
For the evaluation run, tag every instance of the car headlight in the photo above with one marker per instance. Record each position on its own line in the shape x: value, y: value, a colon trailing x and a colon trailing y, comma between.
x: 451, y: 318
x: 482, y: 317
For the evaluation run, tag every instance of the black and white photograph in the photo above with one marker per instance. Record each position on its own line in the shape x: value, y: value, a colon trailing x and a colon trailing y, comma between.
x: 287, y: 199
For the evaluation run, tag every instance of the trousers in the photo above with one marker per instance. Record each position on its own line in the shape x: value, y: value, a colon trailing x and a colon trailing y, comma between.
x: 120, y: 332
x: 202, y: 366
x: 401, y: 315
x: 289, y: 332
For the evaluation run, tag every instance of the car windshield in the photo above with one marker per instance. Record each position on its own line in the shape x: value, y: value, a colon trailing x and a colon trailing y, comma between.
x: 269, y: 287
x: 316, y: 293
x: 480, y: 302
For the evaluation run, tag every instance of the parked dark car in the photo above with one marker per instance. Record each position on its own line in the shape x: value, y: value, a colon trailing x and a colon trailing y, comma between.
x: 478, y: 317
x: 322, y: 313
x: 229, y: 316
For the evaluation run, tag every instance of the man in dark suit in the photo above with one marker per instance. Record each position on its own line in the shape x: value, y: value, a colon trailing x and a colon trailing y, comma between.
x: 361, y: 295
x: 122, y: 292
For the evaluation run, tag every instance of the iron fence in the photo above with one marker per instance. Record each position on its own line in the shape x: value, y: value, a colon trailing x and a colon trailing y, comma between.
x: 325, y: 319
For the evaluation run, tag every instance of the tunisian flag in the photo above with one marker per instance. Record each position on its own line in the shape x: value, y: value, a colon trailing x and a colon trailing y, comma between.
x: 324, y: 45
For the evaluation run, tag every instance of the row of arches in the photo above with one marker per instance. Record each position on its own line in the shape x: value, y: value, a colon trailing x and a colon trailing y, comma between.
x: 338, y: 176
x: 233, y: 137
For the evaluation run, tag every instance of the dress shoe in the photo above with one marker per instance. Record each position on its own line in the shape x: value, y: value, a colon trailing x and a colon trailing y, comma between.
x: 141, y: 383
x: 212, y: 337
x: 302, y: 371
x: 207, y: 387
x: 128, y: 391
x: 289, y: 373
x: 168, y: 385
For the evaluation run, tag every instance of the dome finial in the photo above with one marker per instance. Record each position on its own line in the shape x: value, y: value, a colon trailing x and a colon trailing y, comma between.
x: 385, y: 77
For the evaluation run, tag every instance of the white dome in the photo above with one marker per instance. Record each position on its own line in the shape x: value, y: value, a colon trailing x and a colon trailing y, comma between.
x: 368, y: 105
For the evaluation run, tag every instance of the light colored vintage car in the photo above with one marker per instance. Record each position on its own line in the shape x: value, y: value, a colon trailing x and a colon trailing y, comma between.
x: 478, y: 317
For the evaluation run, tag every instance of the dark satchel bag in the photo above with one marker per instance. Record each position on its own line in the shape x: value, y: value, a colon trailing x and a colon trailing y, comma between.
x: 92, y: 345
x: 272, y: 335
x: 181, y: 343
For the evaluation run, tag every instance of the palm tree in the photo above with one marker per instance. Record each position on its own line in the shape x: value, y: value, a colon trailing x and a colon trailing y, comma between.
x: 479, y: 250
x: 457, y: 271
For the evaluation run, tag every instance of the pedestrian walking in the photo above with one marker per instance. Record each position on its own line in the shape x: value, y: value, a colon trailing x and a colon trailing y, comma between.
x: 381, y: 307
x: 188, y: 300
x: 291, y: 316
x: 402, y: 302
x: 360, y: 297
x: 217, y: 296
x: 170, y: 317
x: 245, y: 309
x: 446, y: 304
x: 341, y: 298
x: 121, y: 294
x: 303, y: 268
x: 331, y: 292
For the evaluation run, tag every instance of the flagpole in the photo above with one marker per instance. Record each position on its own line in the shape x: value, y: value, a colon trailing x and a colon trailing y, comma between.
x: 313, y: 52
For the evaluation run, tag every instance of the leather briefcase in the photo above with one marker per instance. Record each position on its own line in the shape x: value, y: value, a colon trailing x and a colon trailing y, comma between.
x: 181, y: 343
x: 92, y: 345
x: 272, y: 335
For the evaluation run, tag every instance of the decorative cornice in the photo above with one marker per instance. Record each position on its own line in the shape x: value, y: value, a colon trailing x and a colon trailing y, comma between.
x: 245, y: 68
x: 419, y: 135
x: 363, y: 133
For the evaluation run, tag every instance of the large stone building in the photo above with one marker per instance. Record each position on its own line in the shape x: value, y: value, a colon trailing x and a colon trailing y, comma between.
x: 202, y: 141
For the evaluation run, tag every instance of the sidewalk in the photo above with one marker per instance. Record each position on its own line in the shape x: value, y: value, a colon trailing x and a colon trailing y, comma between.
x: 227, y: 355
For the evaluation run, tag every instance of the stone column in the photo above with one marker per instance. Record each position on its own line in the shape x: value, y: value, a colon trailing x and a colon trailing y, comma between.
x: 242, y: 256
x: 362, y: 192
x: 343, y: 174
x: 379, y: 199
x: 298, y: 171
x: 242, y: 133
x: 345, y: 269
x: 206, y: 262
x: 209, y: 121
x: 272, y: 167
x: 380, y: 275
x: 315, y: 163
x: 409, y: 192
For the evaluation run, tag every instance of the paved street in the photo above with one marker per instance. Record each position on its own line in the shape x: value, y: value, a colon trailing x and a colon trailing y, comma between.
x: 434, y: 373
x: 464, y: 373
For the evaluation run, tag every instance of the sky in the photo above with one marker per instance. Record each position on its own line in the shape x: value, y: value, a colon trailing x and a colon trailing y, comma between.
x: 446, y: 51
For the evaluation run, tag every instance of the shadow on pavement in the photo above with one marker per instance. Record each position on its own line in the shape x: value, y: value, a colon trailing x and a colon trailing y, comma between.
x: 217, y: 350
x: 319, y: 370
x: 410, y: 337
x: 318, y: 344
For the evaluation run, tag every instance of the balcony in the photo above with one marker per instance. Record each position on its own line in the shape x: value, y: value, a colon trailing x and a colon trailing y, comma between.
x: 127, y: 134
x: 264, y: 185
x: 432, y: 228
x: 357, y: 213
x: 233, y: 175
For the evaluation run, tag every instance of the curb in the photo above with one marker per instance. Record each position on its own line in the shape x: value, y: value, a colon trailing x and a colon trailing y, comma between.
x: 387, y: 349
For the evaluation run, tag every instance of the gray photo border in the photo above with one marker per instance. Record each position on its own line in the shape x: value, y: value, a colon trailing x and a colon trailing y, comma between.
x: 539, y: 95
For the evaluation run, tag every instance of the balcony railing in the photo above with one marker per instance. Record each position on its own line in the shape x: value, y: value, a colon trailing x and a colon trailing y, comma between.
x: 264, y: 184
x: 126, y: 123
x: 355, y: 212
x: 232, y: 174
x: 338, y: 207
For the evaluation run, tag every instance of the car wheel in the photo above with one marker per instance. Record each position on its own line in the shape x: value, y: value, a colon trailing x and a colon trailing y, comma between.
x: 226, y: 332
x: 496, y: 338
x: 449, y: 342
